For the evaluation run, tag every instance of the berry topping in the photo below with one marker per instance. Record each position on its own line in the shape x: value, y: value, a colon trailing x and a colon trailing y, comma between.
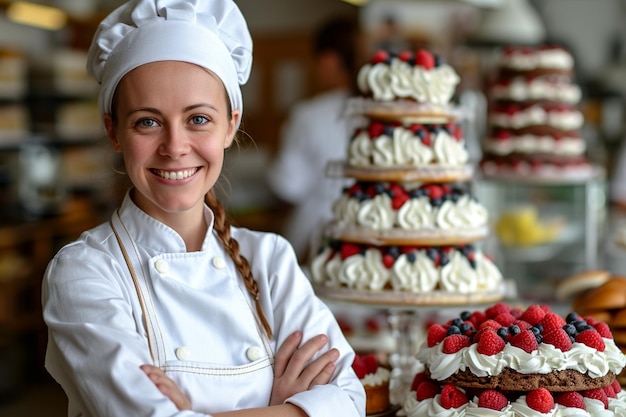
x: 552, y: 321
x: 455, y: 342
x: 559, y: 338
x: 490, y: 343
x: 349, y: 249
x: 379, y: 57
x: 604, y: 330
x: 571, y: 399
x: 505, y: 319
x: 540, y: 400
x: 525, y: 340
x: 597, y: 394
x: 406, y: 56
x: 364, y: 364
x: 496, y: 309
x: 533, y: 314
x: 388, y: 260
x: 426, y: 389
x: 436, y: 333
x: 375, y: 129
x: 452, y: 397
x: 425, y: 59
x: 592, y: 339
x: 617, y: 387
x: 492, y: 399
x: 417, y: 379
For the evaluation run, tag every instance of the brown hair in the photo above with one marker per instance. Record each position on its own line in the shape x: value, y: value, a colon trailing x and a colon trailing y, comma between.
x: 222, y: 227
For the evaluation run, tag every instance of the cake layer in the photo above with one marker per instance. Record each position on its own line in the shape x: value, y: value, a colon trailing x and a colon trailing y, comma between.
x: 551, y: 58
x: 460, y: 269
x: 543, y: 88
x: 507, y: 142
x: 518, y: 116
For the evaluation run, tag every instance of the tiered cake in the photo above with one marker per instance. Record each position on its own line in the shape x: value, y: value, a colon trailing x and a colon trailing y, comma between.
x: 534, y: 122
x: 507, y: 361
x: 407, y: 226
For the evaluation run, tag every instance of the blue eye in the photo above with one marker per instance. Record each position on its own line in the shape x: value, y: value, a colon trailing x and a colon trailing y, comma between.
x: 146, y: 123
x: 199, y: 120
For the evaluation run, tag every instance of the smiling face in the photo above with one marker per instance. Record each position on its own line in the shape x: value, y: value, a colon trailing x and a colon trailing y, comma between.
x: 172, y: 124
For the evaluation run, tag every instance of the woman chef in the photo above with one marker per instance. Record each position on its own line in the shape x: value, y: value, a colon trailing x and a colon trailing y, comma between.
x: 167, y: 310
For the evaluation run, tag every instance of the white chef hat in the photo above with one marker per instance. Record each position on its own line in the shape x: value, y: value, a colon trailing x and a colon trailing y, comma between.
x: 210, y: 33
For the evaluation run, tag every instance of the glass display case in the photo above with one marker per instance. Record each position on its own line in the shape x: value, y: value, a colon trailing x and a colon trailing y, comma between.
x: 544, y: 230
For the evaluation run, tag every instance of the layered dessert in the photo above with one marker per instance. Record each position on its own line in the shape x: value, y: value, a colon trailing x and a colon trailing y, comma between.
x: 375, y: 380
x: 509, y: 361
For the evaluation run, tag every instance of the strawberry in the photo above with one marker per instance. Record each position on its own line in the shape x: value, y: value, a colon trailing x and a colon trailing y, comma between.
x: 492, y: 399
x: 424, y: 59
x: 359, y: 367
x: 496, y: 309
x: 540, y: 400
x: 436, y: 333
x: 570, y: 399
x: 525, y: 340
x: 559, y: 339
x: 604, y: 329
x: 552, y: 321
x: 490, y: 343
x: 592, y: 339
x: 533, y: 314
x: 452, y: 397
x: 455, y: 342
x: 417, y: 379
x: 349, y: 249
x: 372, y: 325
x: 426, y: 389
x: 379, y: 57
x: 597, y: 394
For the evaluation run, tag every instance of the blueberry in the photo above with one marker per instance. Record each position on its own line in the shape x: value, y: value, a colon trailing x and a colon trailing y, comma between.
x: 581, y: 325
x: 388, y: 130
x: 436, y: 202
x: 503, y: 332
x: 465, y: 315
x: 457, y: 322
x: 411, y: 257
x: 394, y: 251
x: 540, y: 327
x: 539, y: 338
x: 570, y: 329
x: 431, y: 253
x: 438, y: 61
x: 571, y: 317
x: 421, y: 134
x: 453, y: 330
x: 535, y: 330
x: 379, y: 187
x: 465, y: 328
x: 417, y: 193
x: 572, y: 339
x: 472, y: 263
x: 514, y: 329
x: 443, y: 261
x: 434, y: 130
x: 360, y: 195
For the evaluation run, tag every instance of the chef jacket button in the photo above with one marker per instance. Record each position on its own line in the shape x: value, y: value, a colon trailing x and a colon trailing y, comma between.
x: 254, y: 353
x: 162, y: 266
x: 183, y: 353
x: 219, y: 262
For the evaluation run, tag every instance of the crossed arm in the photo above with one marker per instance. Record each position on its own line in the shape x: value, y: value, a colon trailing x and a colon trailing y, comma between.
x: 292, y: 374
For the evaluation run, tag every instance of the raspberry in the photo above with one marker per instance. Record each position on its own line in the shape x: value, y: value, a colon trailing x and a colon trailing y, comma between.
x: 559, y: 338
x: 571, y: 399
x: 496, y: 309
x: 455, y: 342
x: 388, y: 260
x: 533, y: 314
x: 371, y: 363
x: 359, y: 367
x: 417, y: 379
x: 436, y: 333
x: 522, y: 324
x: 617, y: 387
x: 405, y: 56
x: 424, y: 59
x: 400, y: 196
x: 552, y: 321
x: 603, y: 329
x: 349, y: 249
x: 426, y: 389
x: 609, y: 391
x: 525, y: 340
x: 505, y: 319
x: 592, y: 339
x: 597, y: 394
x: 380, y: 56
x: 540, y: 400
x: 492, y: 399
x: 490, y: 323
x: 452, y: 397
x: 490, y: 343
x: 375, y: 129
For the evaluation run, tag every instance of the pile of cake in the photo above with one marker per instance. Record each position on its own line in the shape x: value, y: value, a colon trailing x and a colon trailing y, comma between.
x: 408, y: 223
x: 533, y: 119
x: 375, y: 379
x: 512, y: 361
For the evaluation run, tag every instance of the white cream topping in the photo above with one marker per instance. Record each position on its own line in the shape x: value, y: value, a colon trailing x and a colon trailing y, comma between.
x: 553, y: 58
x: 380, y: 377
x: 421, y: 275
x: 462, y: 214
x: 376, y: 213
x: 488, y: 275
x: 536, y: 89
x: 404, y: 148
x: 458, y: 275
x: 364, y: 272
x: 416, y: 213
x: 387, y: 82
x: 544, y: 360
x: 533, y: 144
x: 570, y: 119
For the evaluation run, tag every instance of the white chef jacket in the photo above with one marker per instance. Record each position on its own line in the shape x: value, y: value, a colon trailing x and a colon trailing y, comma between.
x: 204, y: 328
x: 317, y: 132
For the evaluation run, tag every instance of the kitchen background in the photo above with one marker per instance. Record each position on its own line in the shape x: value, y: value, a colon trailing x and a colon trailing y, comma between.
x: 57, y: 175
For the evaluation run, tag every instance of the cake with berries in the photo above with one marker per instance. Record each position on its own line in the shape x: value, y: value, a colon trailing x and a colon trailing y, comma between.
x: 408, y: 225
x: 534, y: 122
x: 375, y: 379
x: 510, y: 361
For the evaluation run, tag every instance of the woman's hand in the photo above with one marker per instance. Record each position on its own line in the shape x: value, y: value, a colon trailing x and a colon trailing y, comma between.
x: 292, y: 371
x: 167, y: 386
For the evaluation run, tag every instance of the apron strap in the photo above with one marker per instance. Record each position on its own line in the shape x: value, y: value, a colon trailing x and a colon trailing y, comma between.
x: 150, y: 322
